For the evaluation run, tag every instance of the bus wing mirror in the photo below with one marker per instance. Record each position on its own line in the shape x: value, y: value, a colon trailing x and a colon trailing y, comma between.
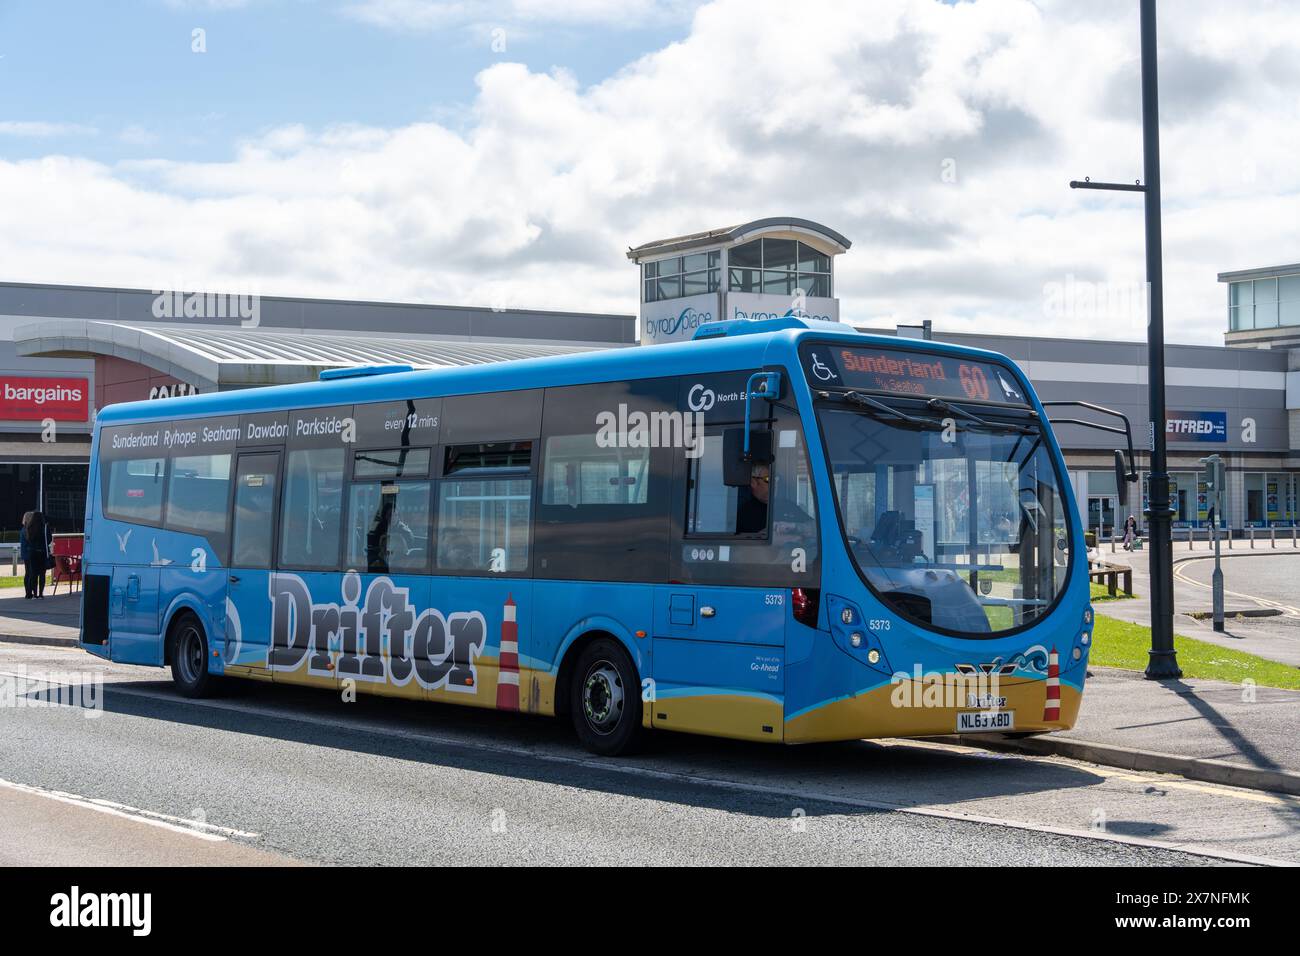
x: 1121, y: 478
x: 736, y: 465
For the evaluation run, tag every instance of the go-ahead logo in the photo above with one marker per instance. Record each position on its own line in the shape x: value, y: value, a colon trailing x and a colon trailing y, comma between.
x: 688, y: 320
x: 701, y: 399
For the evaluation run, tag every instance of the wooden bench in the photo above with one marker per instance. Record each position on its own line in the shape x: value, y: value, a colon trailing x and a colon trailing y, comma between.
x: 1110, y: 575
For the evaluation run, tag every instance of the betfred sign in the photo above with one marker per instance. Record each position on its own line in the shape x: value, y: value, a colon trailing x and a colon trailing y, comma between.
x: 1196, y: 426
x: 36, y: 399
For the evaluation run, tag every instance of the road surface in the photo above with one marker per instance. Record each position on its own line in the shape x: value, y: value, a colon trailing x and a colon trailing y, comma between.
x: 271, y: 774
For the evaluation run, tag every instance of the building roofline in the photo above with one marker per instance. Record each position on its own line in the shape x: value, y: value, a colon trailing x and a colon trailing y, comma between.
x: 224, y: 358
x: 308, y: 300
x: 1064, y: 339
x: 1265, y: 272
x: 730, y: 234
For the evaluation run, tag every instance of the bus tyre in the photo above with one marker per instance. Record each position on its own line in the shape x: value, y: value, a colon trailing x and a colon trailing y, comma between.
x: 190, y: 657
x: 605, y: 699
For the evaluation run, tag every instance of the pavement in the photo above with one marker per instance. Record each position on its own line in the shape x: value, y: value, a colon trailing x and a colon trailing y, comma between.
x: 1202, y: 730
x: 53, y: 619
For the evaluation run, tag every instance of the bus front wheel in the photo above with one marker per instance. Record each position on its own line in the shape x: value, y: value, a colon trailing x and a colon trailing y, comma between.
x: 605, y: 699
x: 190, y: 657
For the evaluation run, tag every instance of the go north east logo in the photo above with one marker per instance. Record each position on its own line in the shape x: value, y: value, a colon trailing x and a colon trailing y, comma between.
x: 688, y: 320
x: 348, y: 639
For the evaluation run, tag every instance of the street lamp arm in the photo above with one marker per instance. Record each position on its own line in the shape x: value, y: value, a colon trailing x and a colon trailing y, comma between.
x: 1135, y: 187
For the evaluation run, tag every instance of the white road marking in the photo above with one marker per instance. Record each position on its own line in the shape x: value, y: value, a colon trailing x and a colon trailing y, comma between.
x: 194, y: 828
x: 720, y: 783
x: 1263, y: 602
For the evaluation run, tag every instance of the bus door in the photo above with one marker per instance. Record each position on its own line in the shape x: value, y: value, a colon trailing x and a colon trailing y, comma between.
x: 248, y: 608
x: 720, y: 622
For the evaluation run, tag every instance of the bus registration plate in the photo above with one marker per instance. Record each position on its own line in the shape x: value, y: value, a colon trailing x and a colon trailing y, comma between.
x: 985, y: 721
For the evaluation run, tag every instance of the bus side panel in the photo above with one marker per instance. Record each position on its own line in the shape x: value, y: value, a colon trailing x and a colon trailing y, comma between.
x: 133, y: 615
x: 720, y: 660
x: 473, y: 651
x: 307, y: 613
x: 200, y: 589
x: 130, y: 557
x: 564, y: 613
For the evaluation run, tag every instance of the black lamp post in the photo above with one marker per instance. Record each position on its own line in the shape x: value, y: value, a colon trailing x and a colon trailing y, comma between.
x: 1163, y: 662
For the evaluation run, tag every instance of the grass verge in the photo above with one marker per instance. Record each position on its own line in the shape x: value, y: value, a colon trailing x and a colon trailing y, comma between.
x: 1124, y: 645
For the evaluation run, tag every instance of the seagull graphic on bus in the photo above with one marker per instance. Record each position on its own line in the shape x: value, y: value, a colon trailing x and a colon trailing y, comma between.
x: 1008, y: 390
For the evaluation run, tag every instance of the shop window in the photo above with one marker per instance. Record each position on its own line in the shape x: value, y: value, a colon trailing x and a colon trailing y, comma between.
x: 64, y: 490
x: 19, y: 493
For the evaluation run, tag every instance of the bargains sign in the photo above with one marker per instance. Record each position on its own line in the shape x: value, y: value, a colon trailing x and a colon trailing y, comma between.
x: 36, y: 399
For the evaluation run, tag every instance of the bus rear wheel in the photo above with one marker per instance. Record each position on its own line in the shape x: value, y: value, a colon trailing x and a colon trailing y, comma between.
x: 190, y: 657
x: 605, y: 699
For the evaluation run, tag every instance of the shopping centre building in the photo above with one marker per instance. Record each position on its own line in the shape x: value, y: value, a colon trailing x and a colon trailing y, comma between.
x: 67, y: 351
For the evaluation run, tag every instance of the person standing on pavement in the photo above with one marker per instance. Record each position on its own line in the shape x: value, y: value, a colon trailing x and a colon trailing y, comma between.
x: 1130, y: 532
x: 34, y: 545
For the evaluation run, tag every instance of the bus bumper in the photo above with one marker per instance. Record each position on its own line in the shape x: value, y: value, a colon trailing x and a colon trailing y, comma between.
x: 933, y: 708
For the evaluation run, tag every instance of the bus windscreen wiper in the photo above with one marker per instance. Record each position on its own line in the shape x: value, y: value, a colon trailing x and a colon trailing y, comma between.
x: 870, y: 404
x: 940, y: 404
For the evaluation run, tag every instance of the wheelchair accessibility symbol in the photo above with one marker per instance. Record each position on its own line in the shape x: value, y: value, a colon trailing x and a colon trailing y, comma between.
x: 821, y: 371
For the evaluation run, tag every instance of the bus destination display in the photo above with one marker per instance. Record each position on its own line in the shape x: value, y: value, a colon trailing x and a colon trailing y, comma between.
x: 910, y: 373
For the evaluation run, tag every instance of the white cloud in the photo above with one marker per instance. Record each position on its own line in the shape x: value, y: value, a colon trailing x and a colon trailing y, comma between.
x: 765, y: 108
x: 434, y: 14
x: 37, y: 129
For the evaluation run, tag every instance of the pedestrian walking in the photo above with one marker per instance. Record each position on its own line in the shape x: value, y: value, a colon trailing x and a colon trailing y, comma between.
x: 1130, y: 532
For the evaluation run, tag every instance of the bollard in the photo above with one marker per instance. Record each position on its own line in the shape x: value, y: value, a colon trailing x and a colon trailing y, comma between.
x: 1112, y: 542
x: 1229, y: 530
x: 1252, y: 536
x: 1293, y: 538
x: 1272, y: 536
x: 1190, y: 535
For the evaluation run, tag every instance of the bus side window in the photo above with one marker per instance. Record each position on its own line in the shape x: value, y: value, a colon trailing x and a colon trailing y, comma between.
x: 135, y: 490
x: 388, y: 514
x: 313, y: 502
x: 198, y: 494
x: 714, y: 507
x: 762, y: 533
x: 606, y: 488
x: 485, y: 508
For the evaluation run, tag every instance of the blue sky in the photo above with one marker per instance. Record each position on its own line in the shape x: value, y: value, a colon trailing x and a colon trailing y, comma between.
x: 384, y: 149
x: 123, y: 78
